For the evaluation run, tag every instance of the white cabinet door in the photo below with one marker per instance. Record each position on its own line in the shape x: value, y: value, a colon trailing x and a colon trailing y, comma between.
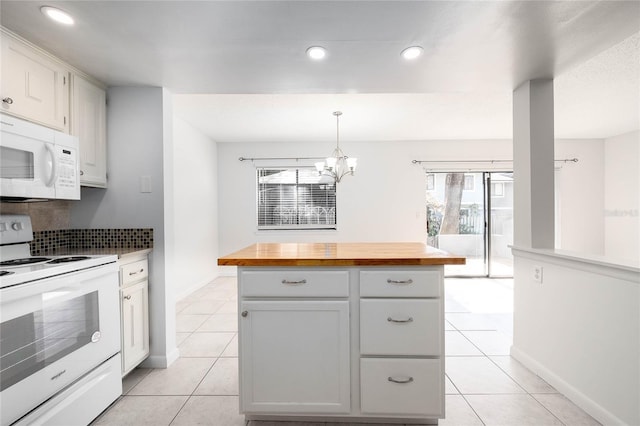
x: 88, y: 123
x: 135, y: 325
x: 34, y: 87
x: 294, y: 357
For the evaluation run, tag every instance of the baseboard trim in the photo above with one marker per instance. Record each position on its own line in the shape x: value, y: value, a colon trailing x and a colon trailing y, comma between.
x: 590, y: 406
x: 161, y: 361
x: 186, y: 292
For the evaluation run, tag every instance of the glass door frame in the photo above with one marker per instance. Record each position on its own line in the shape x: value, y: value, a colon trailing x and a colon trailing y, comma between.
x: 487, y: 194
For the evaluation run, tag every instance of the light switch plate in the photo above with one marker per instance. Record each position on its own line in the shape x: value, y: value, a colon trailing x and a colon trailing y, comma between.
x: 145, y: 184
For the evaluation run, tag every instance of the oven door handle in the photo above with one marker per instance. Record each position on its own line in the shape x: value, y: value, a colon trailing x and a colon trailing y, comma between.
x: 54, y: 166
x: 76, y: 283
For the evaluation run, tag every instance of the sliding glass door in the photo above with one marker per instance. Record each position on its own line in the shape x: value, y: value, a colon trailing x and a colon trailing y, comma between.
x: 471, y: 214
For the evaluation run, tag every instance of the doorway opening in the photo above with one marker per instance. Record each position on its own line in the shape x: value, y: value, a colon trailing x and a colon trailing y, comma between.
x: 471, y: 214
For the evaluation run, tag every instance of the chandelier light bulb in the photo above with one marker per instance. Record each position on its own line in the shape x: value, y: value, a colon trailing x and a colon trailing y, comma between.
x: 338, y: 165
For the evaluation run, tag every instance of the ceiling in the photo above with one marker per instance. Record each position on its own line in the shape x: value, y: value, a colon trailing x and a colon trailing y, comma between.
x: 239, y: 70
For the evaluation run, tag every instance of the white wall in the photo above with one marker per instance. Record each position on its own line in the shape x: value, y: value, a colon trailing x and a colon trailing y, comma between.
x: 622, y: 197
x: 195, y: 208
x: 137, y: 130
x: 580, y: 330
x: 580, y: 186
x: 385, y: 200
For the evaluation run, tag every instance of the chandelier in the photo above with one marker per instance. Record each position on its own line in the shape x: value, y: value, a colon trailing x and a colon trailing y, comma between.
x: 338, y: 165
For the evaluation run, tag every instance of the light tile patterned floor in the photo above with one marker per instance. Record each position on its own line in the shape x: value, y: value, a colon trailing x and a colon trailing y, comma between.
x: 484, y: 386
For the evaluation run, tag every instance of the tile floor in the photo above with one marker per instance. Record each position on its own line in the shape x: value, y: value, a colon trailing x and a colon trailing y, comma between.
x: 484, y: 385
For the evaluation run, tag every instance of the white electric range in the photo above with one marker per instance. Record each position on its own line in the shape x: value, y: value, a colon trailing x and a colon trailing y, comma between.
x: 59, y: 332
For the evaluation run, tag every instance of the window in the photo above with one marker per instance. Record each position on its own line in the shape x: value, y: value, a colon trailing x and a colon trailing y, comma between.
x: 469, y: 183
x: 497, y: 189
x: 295, y: 198
x: 431, y: 181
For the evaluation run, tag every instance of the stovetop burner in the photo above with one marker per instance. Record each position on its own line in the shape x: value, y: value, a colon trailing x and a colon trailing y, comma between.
x: 24, y: 261
x: 68, y: 259
x: 3, y: 273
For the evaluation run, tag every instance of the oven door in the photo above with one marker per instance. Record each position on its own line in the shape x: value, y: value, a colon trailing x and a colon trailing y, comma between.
x: 52, y: 332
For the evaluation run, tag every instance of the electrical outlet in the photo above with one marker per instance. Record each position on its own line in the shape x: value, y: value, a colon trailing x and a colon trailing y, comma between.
x: 537, y: 274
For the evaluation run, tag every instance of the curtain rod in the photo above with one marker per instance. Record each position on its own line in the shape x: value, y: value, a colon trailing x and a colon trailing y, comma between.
x: 564, y: 160
x: 280, y: 158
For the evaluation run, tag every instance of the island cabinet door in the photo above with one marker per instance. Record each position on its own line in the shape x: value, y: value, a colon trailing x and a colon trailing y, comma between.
x: 294, y: 357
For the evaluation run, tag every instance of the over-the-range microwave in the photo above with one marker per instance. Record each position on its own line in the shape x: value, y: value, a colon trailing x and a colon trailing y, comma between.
x: 37, y: 162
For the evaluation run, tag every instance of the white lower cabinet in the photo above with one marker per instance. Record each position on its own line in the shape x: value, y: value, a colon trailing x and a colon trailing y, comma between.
x: 402, y: 342
x: 400, y: 327
x: 295, y: 356
x: 134, y: 311
x: 342, y: 342
x: 401, y: 386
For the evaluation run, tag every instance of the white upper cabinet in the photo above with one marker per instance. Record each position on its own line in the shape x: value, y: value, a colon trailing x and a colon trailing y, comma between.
x: 88, y: 123
x: 34, y: 86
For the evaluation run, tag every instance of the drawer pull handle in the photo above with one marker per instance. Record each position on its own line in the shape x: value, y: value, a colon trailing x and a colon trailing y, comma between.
x: 128, y: 297
x: 401, y: 381
x: 410, y: 319
x: 294, y: 282
x: 390, y: 281
x: 136, y: 272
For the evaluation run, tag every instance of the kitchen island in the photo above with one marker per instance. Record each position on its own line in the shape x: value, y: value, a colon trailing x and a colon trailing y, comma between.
x: 341, y: 331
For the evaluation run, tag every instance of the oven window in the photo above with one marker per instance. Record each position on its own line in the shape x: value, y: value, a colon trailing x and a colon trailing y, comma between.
x: 33, y: 341
x: 16, y: 164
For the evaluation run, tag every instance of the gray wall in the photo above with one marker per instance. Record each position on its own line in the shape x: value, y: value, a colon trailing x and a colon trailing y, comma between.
x: 138, y: 127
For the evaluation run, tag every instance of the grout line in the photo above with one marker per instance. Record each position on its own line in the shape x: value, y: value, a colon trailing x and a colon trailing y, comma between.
x: 473, y: 409
x: 179, y: 410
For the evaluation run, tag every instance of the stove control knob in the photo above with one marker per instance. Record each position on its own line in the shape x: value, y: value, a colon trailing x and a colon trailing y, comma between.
x: 17, y: 226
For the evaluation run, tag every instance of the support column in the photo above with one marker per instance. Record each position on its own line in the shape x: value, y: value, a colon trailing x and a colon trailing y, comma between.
x: 533, y: 153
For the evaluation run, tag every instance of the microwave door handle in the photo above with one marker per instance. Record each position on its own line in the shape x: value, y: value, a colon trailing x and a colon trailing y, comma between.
x: 54, y: 166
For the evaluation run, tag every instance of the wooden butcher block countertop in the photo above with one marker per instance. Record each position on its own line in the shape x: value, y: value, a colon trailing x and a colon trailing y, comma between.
x: 339, y: 254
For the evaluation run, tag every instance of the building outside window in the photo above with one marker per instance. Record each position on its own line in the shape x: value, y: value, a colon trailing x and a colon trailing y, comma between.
x: 497, y: 189
x: 469, y: 183
x: 295, y: 198
x: 431, y: 181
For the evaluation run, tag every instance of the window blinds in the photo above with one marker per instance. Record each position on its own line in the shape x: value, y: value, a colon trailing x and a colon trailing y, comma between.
x: 295, y: 198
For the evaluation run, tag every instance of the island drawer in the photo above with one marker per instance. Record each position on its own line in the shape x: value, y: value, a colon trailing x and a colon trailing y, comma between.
x: 408, y: 327
x: 401, y: 283
x: 293, y: 282
x: 397, y: 386
x: 134, y: 272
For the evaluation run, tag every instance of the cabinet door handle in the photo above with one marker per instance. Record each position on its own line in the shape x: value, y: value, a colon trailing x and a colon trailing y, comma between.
x: 128, y: 297
x: 136, y: 272
x: 390, y: 281
x: 244, y: 314
x: 410, y: 319
x: 81, y: 172
x: 401, y: 381
x: 294, y: 282
x: 7, y: 101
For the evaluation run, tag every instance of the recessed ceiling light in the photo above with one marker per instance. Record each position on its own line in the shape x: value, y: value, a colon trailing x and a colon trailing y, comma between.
x: 57, y: 15
x: 412, y: 52
x: 316, y: 52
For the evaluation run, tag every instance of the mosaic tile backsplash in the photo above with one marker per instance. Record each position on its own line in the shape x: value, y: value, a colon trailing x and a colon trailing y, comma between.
x: 63, y: 239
